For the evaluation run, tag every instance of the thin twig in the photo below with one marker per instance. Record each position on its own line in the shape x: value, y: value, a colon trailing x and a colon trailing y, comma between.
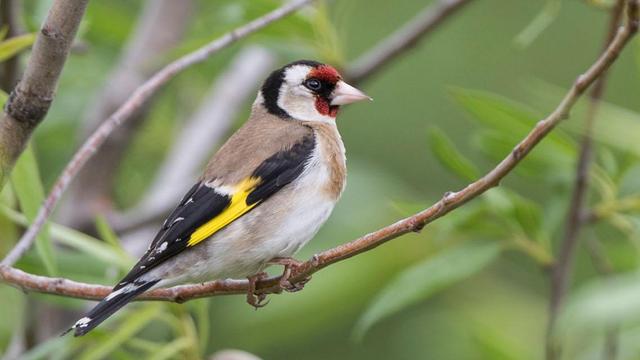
x: 403, y: 39
x: 159, y: 29
x: 449, y: 202
x: 561, y: 272
x: 138, y: 98
x: 30, y: 100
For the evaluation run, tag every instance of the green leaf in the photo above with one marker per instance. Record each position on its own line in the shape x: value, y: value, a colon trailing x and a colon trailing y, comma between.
x: 512, y: 119
x: 425, y: 279
x: 327, y: 41
x: 132, y: 324
x: 543, y: 163
x: 107, y: 234
x: 27, y: 186
x: 616, y: 126
x: 45, y: 349
x: 170, y: 350
x: 601, y: 304
x: 201, y: 309
x: 77, y: 240
x: 14, y: 45
x: 449, y: 157
x: 539, y: 24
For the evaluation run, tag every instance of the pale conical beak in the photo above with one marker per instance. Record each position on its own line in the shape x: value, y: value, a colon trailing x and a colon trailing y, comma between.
x: 346, y: 94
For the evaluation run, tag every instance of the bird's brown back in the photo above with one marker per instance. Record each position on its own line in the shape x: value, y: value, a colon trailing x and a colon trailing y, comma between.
x: 260, y: 137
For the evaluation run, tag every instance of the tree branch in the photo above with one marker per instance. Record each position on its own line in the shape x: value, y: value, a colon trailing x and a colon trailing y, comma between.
x: 29, y: 102
x: 403, y: 39
x: 449, y: 202
x: 561, y: 271
x: 132, y: 104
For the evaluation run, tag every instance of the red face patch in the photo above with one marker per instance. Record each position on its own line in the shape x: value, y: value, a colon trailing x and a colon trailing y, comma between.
x: 325, y: 73
x: 324, y: 108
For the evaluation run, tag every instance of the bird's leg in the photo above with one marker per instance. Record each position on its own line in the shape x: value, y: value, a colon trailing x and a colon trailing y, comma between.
x: 290, y: 264
x: 256, y: 300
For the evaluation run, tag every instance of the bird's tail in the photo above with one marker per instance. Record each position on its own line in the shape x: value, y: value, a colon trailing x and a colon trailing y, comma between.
x: 106, y: 307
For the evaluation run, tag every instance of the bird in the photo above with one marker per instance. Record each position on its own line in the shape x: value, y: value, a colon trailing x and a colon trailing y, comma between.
x: 263, y: 195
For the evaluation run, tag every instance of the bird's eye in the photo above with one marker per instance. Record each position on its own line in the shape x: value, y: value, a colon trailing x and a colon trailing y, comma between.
x: 313, y: 84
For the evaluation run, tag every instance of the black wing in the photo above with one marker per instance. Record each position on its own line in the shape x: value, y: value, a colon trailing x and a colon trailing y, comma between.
x: 199, y: 205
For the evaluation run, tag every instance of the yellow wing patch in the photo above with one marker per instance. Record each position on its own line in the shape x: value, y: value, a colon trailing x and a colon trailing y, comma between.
x: 237, y: 207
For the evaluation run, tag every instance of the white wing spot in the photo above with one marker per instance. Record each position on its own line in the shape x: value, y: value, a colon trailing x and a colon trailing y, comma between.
x: 225, y: 190
x: 162, y: 247
x: 142, y: 267
x: 189, y: 201
x: 82, y: 323
x: 178, y: 219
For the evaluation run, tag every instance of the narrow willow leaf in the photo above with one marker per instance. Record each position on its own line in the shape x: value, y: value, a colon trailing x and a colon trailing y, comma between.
x: 132, y: 324
x: 513, y: 119
x: 45, y: 349
x: 327, y: 41
x: 449, y: 157
x: 28, y: 188
x: 203, y: 320
x: 77, y: 240
x: 170, y: 350
x: 14, y: 45
x: 107, y: 234
x: 617, y: 127
x: 427, y: 278
x: 601, y: 304
x: 539, y: 24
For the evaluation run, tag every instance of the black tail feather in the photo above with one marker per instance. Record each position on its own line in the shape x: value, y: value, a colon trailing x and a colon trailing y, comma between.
x: 109, y: 305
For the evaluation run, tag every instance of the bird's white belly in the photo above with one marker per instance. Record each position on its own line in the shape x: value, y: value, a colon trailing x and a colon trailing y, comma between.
x: 277, y: 228
x: 298, y: 227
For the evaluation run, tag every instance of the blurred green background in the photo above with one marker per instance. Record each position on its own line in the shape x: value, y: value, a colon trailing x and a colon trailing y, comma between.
x: 473, y: 285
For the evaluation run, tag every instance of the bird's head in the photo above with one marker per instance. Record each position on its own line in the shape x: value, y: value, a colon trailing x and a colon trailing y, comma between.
x: 307, y: 90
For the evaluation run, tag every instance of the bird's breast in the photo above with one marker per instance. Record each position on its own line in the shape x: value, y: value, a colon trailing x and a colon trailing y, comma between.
x: 329, y: 160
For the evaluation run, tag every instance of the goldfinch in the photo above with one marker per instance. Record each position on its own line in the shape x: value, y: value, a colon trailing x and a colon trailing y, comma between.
x: 262, y: 196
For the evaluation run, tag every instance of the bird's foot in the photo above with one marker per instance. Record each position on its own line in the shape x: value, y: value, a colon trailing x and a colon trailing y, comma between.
x: 256, y: 300
x: 290, y: 265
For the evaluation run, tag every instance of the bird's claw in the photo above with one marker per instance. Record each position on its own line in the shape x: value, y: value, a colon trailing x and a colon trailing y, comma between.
x: 253, y: 299
x: 290, y: 265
